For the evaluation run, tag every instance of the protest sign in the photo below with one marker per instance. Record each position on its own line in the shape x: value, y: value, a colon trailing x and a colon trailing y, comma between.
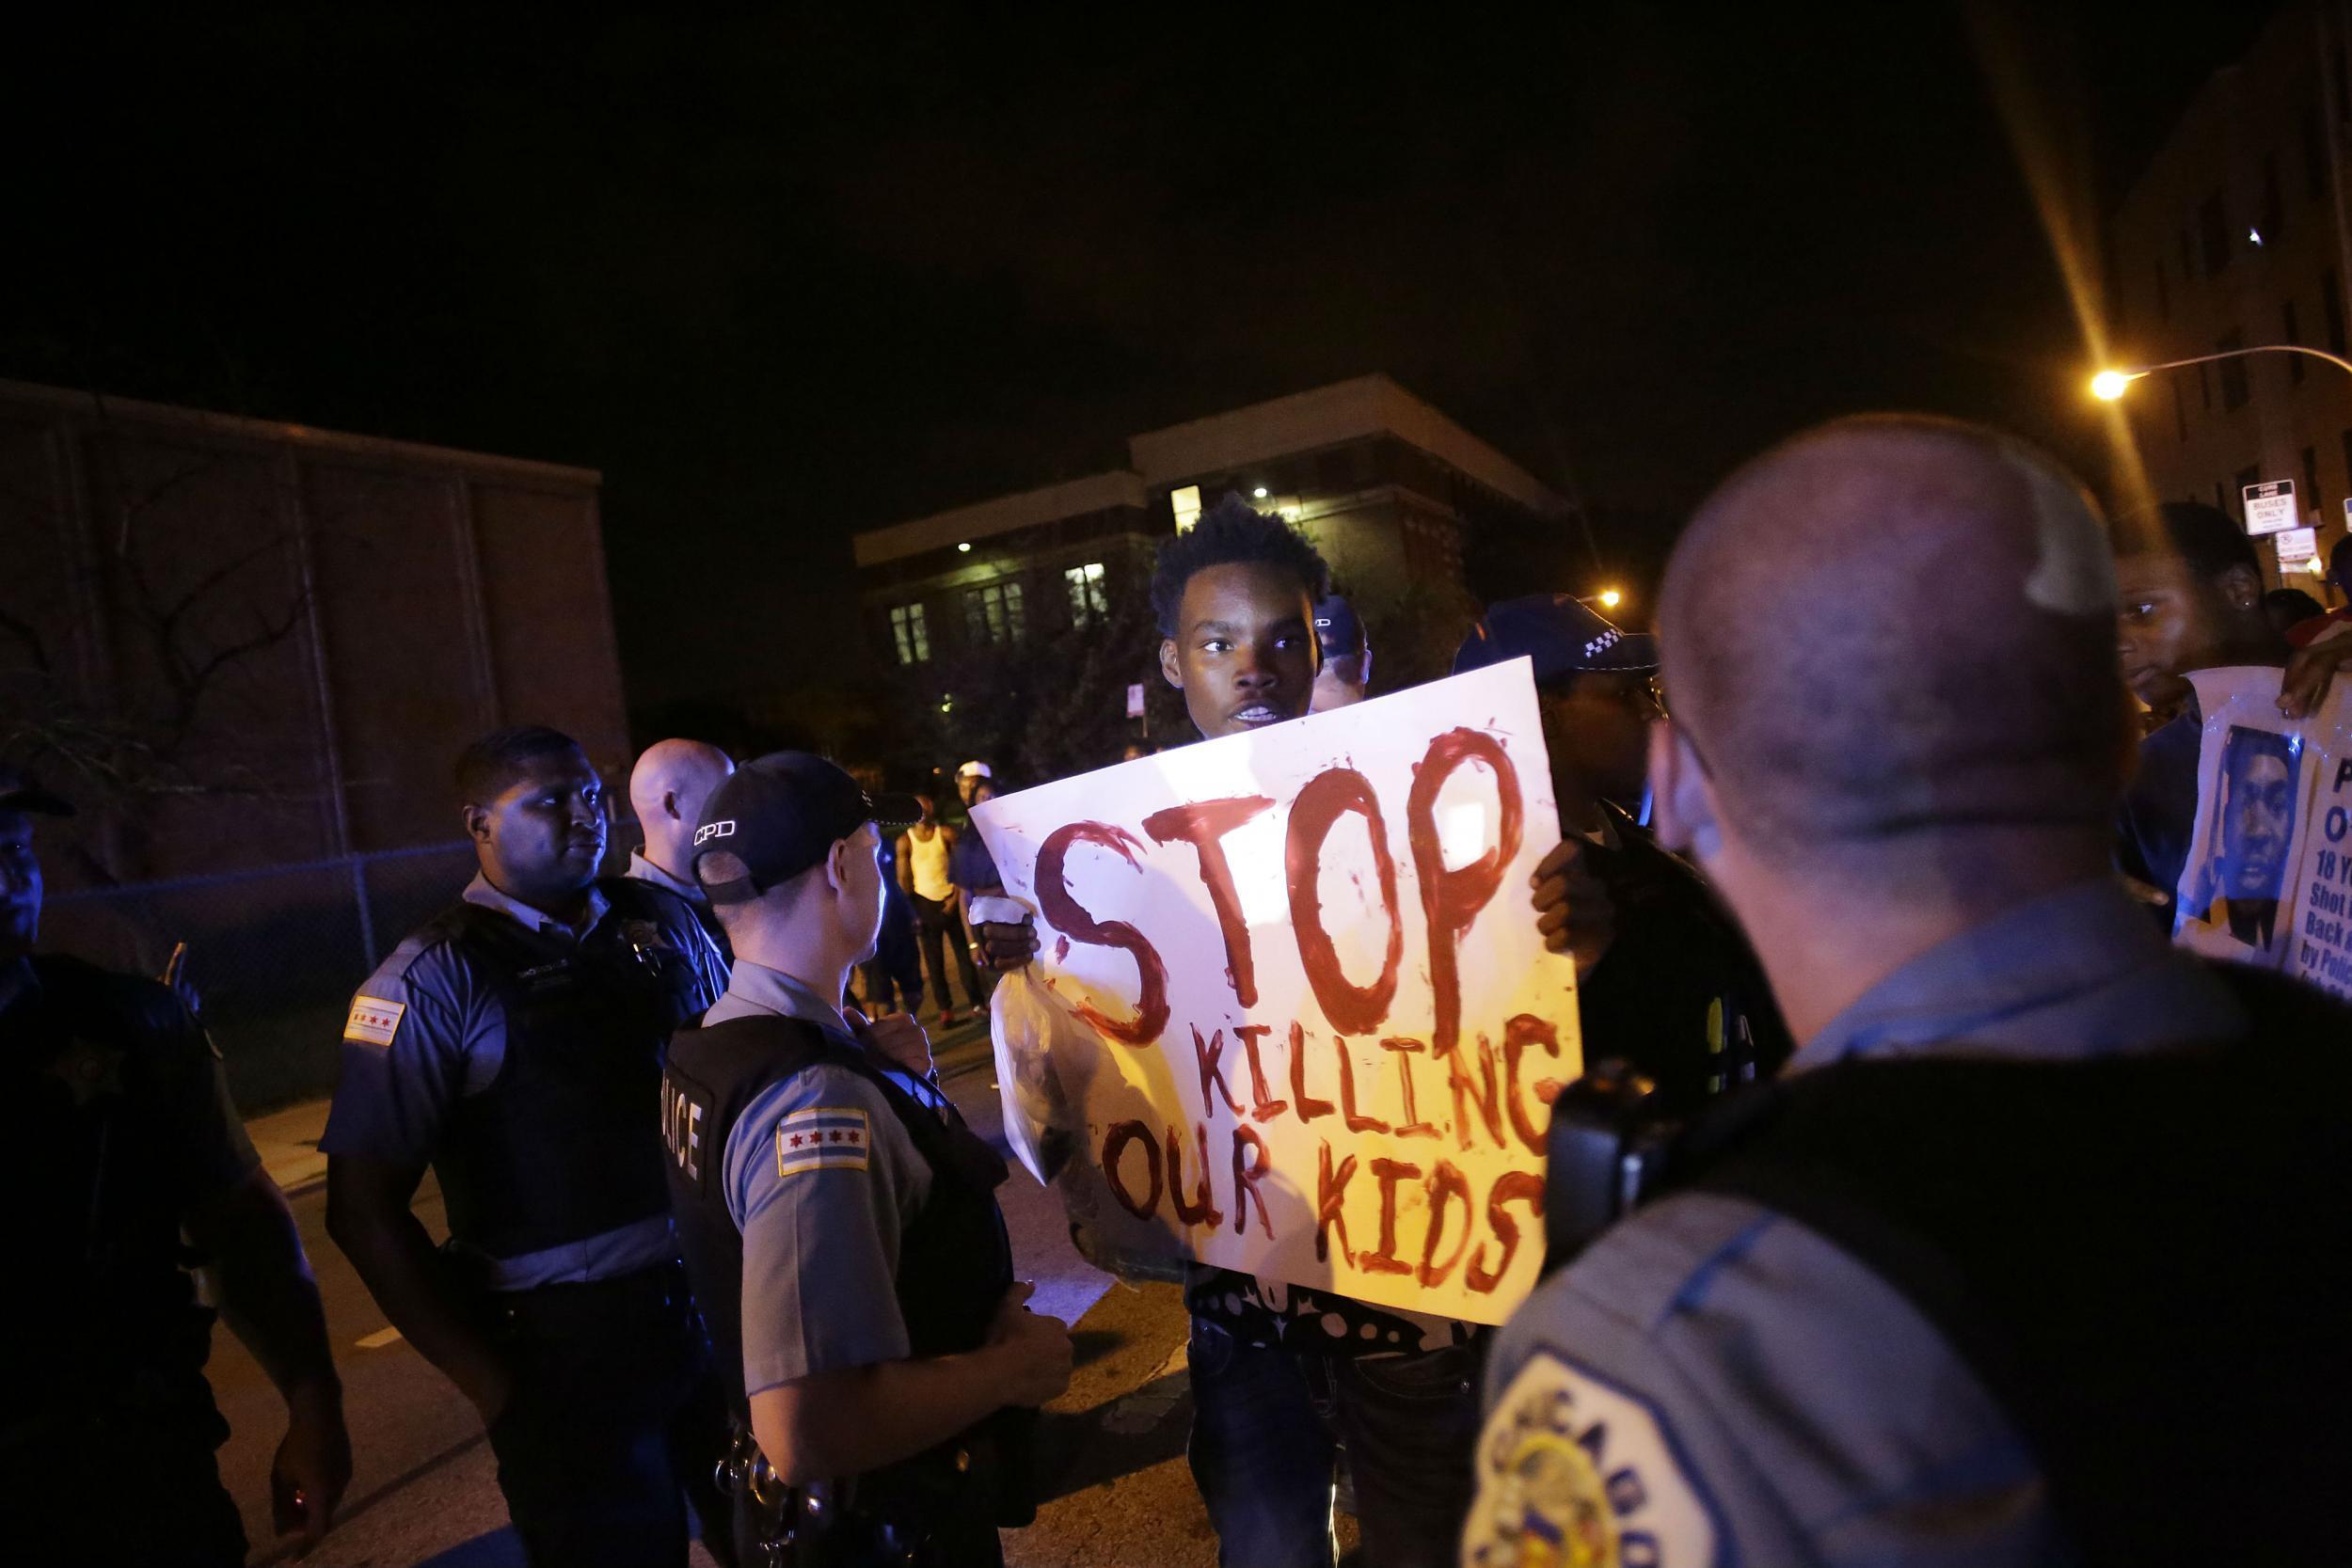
x: 1317, y: 1032
x: 2269, y: 874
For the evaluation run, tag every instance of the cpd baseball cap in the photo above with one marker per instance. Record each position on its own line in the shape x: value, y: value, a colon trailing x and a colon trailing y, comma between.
x: 1337, y: 627
x: 1561, y: 636
x: 18, y: 793
x: 781, y: 815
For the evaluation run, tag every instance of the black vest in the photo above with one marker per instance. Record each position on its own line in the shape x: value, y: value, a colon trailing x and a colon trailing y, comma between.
x: 2147, y: 1259
x: 104, y: 1319
x: 555, y: 1150
x: 955, y: 1259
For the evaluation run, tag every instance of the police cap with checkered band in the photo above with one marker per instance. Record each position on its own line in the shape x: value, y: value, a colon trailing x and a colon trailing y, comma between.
x: 1559, y: 635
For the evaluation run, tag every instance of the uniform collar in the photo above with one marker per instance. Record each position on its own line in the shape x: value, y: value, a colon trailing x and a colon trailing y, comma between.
x: 2074, y: 973
x: 644, y: 870
x: 479, y: 892
x: 771, y: 990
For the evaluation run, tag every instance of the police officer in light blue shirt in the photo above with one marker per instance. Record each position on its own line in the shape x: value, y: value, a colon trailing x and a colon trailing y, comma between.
x: 514, y: 1045
x: 2037, y: 1251
x: 839, y: 1217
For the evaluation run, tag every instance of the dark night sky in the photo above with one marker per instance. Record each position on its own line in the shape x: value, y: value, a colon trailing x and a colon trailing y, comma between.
x: 781, y: 280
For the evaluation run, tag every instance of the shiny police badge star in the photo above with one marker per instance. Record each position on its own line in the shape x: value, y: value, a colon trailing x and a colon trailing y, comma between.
x: 1573, y: 1473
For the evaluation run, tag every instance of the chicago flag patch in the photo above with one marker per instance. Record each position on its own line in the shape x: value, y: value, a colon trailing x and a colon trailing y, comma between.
x: 374, y: 1021
x: 830, y: 1137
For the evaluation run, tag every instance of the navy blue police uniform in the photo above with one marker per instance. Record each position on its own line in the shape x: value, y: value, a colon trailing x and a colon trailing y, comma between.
x: 522, y: 1059
x: 116, y: 1121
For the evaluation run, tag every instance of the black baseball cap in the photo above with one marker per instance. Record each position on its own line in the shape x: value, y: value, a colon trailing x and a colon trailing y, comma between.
x: 1337, y: 627
x: 1560, y: 635
x: 781, y: 815
x: 18, y: 793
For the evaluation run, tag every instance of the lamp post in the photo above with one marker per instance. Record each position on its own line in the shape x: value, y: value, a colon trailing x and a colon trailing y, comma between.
x: 2110, y: 385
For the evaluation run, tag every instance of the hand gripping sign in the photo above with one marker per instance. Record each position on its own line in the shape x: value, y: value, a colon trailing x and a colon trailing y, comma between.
x: 1301, y: 1021
x: 2268, y: 880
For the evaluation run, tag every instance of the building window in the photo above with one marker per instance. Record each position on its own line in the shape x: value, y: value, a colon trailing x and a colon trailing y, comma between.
x: 2274, y: 209
x: 2310, y: 500
x: 2164, y: 294
x: 992, y: 615
x: 1089, y: 601
x: 2188, y: 259
x: 2213, y: 234
x: 2205, y: 387
x: 908, y: 635
x: 2315, y: 155
x: 2180, y: 410
x: 2288, y: 326
x: 2220, y: 497
x: 2233, y: 394
x: 1185, y: 500
x: 2346, y: 440
x: 2247, y: 479
x: 2331, y: 309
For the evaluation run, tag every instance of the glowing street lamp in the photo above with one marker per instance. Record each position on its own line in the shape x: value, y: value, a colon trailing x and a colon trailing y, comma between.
x: 1611, y: 598
x: 2110, y: 385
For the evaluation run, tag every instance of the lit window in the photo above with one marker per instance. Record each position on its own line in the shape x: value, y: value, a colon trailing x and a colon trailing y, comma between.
x: 907, y: 633
x: 1089, y: 601
x: 994, y: 614
x: 1186, y: 500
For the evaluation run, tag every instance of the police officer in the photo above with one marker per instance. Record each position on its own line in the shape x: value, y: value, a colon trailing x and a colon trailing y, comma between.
x: 837, y: 1215
x: 1665, y: 983
x: 514, y: 1044
x: 666, y: 791
x: 121, y: 1136
x: 2036, y: 1252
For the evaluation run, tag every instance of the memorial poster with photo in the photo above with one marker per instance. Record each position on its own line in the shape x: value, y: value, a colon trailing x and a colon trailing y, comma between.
x: 2268, y: 880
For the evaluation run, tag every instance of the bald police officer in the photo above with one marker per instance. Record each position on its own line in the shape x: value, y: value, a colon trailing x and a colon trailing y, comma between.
x: 2038, y: 1251
x: 121, y: 1136
x: 514, y: 1044
x: 838, y: 1216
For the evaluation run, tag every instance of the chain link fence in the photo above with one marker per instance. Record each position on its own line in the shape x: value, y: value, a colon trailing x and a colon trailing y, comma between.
x: 274, y: 953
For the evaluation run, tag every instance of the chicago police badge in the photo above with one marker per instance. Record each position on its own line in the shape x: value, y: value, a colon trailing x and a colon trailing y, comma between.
x: 1573, y: 1473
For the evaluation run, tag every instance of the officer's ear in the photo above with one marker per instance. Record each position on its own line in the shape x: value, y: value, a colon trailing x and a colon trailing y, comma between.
x: 1682, y: 797
x: 478, y: 823
x: 1171, y: 668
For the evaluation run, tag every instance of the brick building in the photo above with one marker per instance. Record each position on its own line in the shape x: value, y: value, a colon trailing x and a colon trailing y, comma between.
x: 2233, y: 236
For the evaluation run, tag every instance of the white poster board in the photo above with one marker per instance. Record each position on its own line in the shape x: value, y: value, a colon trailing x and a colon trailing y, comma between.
x: 2269, y: 874
x: 1320, y: 1029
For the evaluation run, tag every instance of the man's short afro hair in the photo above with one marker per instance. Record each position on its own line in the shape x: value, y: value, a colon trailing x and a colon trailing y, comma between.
x: 1232, y: 533
x: 490, y: 766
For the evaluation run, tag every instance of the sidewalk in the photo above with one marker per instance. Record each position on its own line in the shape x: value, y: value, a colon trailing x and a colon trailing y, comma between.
x: 288, y: 1140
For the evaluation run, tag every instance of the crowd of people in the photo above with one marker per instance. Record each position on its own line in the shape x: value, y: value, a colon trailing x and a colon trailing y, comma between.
x: 1952, y: 1214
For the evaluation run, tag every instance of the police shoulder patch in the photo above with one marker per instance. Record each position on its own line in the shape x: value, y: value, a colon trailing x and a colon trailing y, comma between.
x: 1572, y: 1470
x: 374, y: 1021
x: 825, y: 1137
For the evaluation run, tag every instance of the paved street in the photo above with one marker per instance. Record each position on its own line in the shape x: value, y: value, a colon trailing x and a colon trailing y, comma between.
x: 425, y: 1490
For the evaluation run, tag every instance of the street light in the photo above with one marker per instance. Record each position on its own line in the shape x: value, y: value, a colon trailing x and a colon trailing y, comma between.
x: 1608, y: 598
x: 2110, y: 385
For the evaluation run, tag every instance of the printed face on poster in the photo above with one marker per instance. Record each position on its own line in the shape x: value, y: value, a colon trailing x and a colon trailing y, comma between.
x: 2267, y: 882
x: 1321, y: 1032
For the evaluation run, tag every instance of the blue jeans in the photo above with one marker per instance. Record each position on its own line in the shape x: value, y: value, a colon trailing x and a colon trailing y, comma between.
x: 1268, y: 1422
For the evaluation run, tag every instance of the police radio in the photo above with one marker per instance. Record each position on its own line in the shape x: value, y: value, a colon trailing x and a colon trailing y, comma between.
x: 1607, y: 1153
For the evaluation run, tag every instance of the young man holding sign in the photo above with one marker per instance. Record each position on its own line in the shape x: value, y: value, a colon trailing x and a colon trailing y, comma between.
x: 1278, y: 1372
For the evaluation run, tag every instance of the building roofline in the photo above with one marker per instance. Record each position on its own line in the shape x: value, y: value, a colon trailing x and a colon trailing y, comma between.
x: 266, y: 432
x: 1003, y: 515
x: 1326, y: 417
